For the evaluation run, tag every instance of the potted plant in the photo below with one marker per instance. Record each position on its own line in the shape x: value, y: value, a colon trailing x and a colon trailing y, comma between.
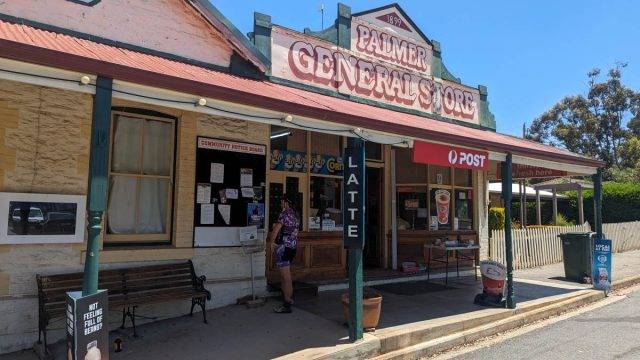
x: 371, y: 304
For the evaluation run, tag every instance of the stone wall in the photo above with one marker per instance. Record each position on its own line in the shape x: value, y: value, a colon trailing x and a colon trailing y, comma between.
x: 44, y: 147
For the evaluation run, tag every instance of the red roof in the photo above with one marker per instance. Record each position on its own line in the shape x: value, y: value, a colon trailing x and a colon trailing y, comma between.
x: 33, y: 45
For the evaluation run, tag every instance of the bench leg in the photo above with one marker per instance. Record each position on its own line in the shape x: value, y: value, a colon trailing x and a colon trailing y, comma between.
x: 124, y: 318
x: 133, y: 321
x: 193, y: 304
x: 202, y: 303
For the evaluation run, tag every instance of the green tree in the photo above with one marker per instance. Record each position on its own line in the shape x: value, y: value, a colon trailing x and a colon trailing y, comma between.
x: 604, y: 124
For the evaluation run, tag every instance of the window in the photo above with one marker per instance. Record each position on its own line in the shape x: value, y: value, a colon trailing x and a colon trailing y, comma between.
x: 373, y: 151
x: 140, y: 179
x: 325, y: 211
x: 432, y: 197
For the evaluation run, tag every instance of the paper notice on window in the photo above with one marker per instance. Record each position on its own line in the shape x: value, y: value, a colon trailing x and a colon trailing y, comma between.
x: 203, y: 193
x: 246, y: 177
x: 225, y: 212
x: 231, y: 193
x: 207, y: 212
x: 217, y: 173
x: 247, y: 192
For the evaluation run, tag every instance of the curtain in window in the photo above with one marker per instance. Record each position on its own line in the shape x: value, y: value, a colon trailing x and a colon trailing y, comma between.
x: 139, y: 204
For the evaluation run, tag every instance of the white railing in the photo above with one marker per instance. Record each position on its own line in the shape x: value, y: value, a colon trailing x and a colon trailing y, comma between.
x: 540, y: 246
x: 624, y: 236
x: 532, y: 247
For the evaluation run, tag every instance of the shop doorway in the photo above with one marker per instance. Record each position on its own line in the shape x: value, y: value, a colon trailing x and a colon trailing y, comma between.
x: 372, y: 252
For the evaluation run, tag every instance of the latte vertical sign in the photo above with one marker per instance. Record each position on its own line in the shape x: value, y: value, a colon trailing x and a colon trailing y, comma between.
x: 87, y: 326
x: 354, y: 198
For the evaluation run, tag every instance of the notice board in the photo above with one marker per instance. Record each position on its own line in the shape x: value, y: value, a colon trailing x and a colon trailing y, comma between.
x: 229, y: 190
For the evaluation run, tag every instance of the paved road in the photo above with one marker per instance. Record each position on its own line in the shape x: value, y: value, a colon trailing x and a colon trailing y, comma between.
x: 610, y: 332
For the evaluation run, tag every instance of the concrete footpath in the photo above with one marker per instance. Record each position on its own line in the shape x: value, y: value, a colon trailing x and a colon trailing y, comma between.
x: 418, y: 319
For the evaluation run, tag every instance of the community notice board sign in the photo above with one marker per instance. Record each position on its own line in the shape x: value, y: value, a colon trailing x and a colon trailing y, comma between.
x: 602, y: 264
x: 87, y: 326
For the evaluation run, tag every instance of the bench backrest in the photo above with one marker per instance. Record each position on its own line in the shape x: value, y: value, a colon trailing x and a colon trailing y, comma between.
x: 52, y: 289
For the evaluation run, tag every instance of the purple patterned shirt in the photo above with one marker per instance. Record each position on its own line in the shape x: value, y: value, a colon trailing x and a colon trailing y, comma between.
x: 289, y: 230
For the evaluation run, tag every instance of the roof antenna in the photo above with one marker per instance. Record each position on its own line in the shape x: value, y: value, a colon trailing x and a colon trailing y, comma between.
x: 321, y: 9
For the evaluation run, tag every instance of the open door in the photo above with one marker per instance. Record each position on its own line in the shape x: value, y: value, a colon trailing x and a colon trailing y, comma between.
x: 372, y: 252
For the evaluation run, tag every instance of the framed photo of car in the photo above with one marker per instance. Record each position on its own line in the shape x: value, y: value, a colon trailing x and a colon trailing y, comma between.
x: 27, y: 218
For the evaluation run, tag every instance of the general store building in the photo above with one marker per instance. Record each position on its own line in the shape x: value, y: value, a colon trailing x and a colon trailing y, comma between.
x: 205, y: 128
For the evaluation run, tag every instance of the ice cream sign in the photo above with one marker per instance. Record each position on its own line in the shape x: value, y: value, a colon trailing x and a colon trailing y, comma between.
x: 387, y: 63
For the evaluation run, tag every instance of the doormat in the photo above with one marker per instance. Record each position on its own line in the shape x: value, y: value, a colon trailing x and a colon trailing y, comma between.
x: 412, y: 288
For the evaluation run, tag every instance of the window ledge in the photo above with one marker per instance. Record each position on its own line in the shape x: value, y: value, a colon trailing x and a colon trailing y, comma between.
x: 128, y: 254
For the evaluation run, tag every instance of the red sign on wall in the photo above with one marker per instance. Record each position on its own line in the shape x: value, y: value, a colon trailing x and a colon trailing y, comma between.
x: 520, y: 171
x: 444, y: 155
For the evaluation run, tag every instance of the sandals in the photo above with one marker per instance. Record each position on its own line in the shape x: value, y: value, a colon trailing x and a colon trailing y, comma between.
x: 285, y: 308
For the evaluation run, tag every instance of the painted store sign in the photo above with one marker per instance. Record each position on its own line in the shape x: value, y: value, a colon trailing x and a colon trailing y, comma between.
x: 387, y: 63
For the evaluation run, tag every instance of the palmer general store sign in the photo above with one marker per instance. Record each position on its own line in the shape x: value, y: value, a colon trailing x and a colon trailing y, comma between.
x: 388, y: 62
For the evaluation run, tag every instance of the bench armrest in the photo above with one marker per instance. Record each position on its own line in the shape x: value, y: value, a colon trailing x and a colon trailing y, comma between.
x: 199, y: 281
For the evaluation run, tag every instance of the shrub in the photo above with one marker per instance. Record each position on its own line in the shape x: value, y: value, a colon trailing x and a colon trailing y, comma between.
x: 620, y: 203
x: 496, y: 219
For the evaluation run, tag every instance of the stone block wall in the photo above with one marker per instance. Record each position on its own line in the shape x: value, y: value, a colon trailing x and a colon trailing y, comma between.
x: 44, y: 148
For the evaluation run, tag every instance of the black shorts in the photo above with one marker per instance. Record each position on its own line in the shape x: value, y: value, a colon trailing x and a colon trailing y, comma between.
x: 284, y: 255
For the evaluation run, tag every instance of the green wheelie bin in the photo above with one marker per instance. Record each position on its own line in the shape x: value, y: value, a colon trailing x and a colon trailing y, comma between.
x: 577, y: 250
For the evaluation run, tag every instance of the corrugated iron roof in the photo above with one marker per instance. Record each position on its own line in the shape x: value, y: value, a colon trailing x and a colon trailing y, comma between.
x: 34, y: 45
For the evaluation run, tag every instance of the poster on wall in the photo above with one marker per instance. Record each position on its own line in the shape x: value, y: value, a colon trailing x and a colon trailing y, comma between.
x: 255, y: 215
x: 443, y: 201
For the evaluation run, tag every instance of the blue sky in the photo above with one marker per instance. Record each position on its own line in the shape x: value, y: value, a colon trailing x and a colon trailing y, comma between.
x: 528, y: 53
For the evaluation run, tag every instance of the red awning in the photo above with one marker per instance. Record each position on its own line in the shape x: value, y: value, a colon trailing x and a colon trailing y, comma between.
x: 33, y: 45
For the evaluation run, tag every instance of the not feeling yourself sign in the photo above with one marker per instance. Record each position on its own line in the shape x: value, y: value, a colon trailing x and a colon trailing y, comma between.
x: 354, y: 198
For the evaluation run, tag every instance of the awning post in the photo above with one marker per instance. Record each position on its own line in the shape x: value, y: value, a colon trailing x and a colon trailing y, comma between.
x: 597, y: 201
x: 506, y: 196
x: 580, y: 206
x: 538, y: 210
x: 356, y: 283
x: 97, y: 190
x: 555, y: 206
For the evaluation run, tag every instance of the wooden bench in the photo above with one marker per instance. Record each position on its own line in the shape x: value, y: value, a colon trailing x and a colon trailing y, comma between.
x: 128, y: 288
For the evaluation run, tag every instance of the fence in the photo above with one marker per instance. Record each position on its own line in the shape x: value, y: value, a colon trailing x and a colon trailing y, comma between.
x: 534, y: 247
x: 624, y: 236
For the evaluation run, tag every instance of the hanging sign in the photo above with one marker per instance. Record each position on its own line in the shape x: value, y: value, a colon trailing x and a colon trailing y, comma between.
x: 353, y: 229
x: 87, y: 326
x: 444, y: 155
x: 602, y: 264
x: 520, y: 171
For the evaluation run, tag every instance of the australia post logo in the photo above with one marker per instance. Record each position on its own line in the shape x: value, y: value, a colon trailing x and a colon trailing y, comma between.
x: 466, y: 158
x: 444, y: 155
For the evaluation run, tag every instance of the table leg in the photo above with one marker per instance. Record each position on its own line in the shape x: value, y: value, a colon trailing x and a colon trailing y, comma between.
x: 429, y: 265
x: 446, y: 269
x: 457, y: 254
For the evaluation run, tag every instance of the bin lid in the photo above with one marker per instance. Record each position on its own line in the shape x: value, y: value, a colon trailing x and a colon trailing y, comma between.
x: 577, y: 235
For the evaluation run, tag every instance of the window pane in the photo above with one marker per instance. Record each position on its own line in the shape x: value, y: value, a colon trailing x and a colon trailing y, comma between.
x: 152, y: 202
x: 412, y: 208
x: 326, y: 144
x: 440, y: 175
x: 325, y: 211
x: 157, y: 148
x: 373, y: 151
x: 121, y: 211
x: 408, y: 172
x: 464, y: 209
x: 462, y: 177
x: 288, y: 149
x: 127, y: 145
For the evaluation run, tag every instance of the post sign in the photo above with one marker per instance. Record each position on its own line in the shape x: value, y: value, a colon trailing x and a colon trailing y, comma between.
x: 353, y: 228
x: 445, y: 155
x: 602, y: 264
x: 87, y: 326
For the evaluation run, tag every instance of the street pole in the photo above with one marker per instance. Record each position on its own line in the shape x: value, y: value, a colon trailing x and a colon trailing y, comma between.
x: 506, y: 196
x: 354, y: 230
x: 97, y: 189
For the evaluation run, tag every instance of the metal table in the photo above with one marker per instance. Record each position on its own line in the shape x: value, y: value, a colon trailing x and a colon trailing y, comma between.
x: 458, y: 252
